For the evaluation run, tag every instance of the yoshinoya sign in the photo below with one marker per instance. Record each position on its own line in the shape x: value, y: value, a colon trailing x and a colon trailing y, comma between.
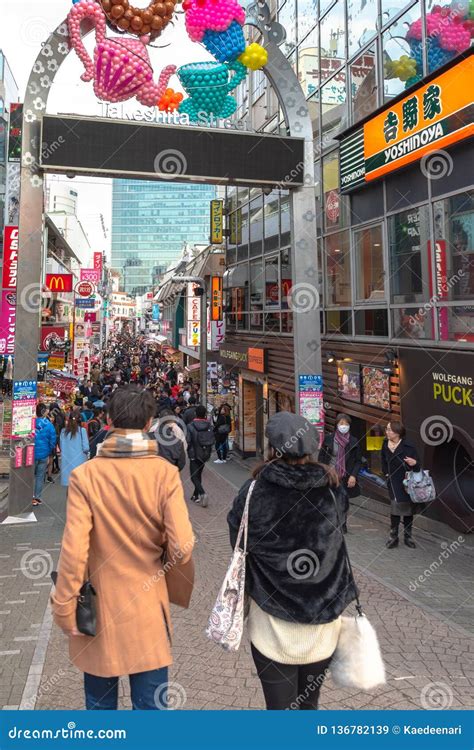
x: 434, y: 115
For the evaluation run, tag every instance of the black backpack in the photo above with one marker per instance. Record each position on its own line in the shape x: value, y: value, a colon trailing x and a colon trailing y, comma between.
x: 203, y: 443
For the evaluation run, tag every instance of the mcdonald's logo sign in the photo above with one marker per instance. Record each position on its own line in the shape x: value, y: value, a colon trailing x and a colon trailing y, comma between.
x: 59, y: 282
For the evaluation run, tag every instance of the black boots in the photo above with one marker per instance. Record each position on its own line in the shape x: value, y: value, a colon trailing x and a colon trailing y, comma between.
x: 392, y: 541
x: 407, y: 526
x: 393, y: 538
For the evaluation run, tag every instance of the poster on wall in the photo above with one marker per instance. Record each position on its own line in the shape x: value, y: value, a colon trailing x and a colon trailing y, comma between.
x: 7, y: 322
x: 311, y: 401
x: 24, y: 409
x: 376, y: 388
x: 348, y: 381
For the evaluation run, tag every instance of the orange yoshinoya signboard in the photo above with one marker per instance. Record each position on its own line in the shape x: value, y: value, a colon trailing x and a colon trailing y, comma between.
x: 433, y: 116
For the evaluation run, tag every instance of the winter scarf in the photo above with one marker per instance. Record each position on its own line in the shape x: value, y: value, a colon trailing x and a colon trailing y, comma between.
x: 127, y: 444
x: 342, y: 441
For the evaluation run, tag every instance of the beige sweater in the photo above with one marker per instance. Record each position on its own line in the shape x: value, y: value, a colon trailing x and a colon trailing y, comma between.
x: 291, y: 642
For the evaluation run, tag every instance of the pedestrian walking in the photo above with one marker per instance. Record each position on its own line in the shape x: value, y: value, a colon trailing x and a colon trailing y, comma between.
x: 125, y: 508
x: 45, y: 445
x: 222, y: 428
x: 398, y: 457
x: 74, y: 446
x: 297, y: 577
x: 190, y: 412
x: 200, y: 439
x: 342, y: 451
x: 171, y: 439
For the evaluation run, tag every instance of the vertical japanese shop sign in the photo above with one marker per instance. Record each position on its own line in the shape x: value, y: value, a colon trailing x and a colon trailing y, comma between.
x: 98, y: 262
x: 7, y: 322
x: 193, y: 329
x: 10, y: 257
x: 24, y: 409
x: 216, y: 298
x: 311, y: 400
x: 217, y: 219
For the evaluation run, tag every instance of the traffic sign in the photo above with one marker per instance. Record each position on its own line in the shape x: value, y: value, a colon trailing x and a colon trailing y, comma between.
x: 84, y: 289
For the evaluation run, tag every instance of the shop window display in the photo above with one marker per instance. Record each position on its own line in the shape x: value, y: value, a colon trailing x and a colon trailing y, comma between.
x: 363, y: 84
x: 338, y: 269
x: 454, y: 248
x: 409, y: 261
x: 361, y: 23
x: 369, y: 264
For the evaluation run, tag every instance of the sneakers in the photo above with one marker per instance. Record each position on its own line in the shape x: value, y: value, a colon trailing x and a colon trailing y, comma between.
x: 36, y: 501
x: 219, y: 461
x: 50, y: 480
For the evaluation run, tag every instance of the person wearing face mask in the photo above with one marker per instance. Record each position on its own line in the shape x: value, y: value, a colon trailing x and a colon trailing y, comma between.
x: 342, y: 452
x: 398, y: 457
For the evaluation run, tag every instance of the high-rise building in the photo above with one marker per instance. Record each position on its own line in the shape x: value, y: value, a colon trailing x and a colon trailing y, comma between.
x: 151, y: 221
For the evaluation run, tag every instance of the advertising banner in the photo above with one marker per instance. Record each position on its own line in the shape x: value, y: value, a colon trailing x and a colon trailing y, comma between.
x: 51, y: 336
x: 24, y: 409
x: 91, y: 274
x: 215, y: 334
x: 85, y: 303
x: 216, y: 298
x: 311, y: 400
x: 217, y: 222
x: 7, y: 322
x: 193, y: 333
x: 98, y: 263
x: 10, y: 257
x: 193, y: 305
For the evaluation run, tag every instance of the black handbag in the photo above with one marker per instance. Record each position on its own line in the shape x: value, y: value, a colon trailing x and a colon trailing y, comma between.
x: 86, y: 615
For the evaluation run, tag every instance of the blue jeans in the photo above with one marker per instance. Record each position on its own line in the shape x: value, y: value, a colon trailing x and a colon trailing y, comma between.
x: 149, y: 691
x: 40, y: 471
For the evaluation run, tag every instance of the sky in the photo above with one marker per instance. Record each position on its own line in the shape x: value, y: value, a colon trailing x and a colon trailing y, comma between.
x: 28, y: 23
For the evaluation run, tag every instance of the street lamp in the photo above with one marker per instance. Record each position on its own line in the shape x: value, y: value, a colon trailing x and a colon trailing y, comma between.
x: 203, y: 325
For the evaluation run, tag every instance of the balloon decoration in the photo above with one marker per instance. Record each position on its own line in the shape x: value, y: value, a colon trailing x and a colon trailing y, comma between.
x: 208, y: 86
x: 121, y: 67
x: 449, y: 30
x: 138, y: 21
x: 170, y: 100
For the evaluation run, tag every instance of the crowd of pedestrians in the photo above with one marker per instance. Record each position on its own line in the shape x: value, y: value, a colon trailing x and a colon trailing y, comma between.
x: 127, y: 523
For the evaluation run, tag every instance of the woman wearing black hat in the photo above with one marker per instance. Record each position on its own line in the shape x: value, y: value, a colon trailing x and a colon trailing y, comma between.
x: 296, y: 572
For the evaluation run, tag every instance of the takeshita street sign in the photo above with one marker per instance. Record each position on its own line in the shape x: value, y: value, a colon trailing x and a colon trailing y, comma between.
x: 431, y: 117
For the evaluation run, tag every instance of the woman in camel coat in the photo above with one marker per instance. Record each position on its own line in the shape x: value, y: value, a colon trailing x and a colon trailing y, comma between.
x: 124, y: 509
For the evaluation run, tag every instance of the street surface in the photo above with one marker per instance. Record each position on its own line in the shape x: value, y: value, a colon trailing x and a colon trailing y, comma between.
x: 425, y: 628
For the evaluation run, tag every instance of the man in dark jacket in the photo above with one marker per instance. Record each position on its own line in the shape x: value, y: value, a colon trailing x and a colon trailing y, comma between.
x: 190, y: 413
x: 200, y: 440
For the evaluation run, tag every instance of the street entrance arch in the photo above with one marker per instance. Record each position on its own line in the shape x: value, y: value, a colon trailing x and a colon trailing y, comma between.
x: 42, y: 152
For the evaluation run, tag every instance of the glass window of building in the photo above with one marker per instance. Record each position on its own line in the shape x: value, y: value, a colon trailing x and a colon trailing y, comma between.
x: 454, y: 248
x: 338, y: 269
x: 456, y: 323
x: 361, y: 23
x: 256, y: 294
x: 391, y: 8
x: 409, y: 239
x: 271, y: 221
x: 239, y: 281
x: 286, y: 283
x: 396, y: 43
x: 339, y: 321
x: 371, y: 322
x: 333, y: 108
x: 369, y: 268
x: 287, y: 18
x: 315, y: 114
x: 243, y: 232
x: 333, y: 40
x: 285, y: 237
x: 335, y: 206
x: 256, y: 226
x: 307, y: 17
x: 413, y: 323
x: 272, y: 294
x: 363, y: 72
x: 308, y: 63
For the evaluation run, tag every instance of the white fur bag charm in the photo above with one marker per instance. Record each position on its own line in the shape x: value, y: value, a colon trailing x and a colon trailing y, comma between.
x: 357, y: 661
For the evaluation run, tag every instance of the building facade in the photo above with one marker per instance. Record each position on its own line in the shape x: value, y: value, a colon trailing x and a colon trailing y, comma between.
x: 150, y: 223
x: 395, y: 249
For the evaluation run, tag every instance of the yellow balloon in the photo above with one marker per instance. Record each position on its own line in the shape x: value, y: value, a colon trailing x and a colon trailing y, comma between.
x: 254, y: 56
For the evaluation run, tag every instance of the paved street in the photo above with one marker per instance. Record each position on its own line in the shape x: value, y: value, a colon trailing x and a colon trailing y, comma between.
x: 423, y: 626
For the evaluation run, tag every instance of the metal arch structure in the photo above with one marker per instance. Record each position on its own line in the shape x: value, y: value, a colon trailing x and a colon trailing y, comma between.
x: 302, y: 211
